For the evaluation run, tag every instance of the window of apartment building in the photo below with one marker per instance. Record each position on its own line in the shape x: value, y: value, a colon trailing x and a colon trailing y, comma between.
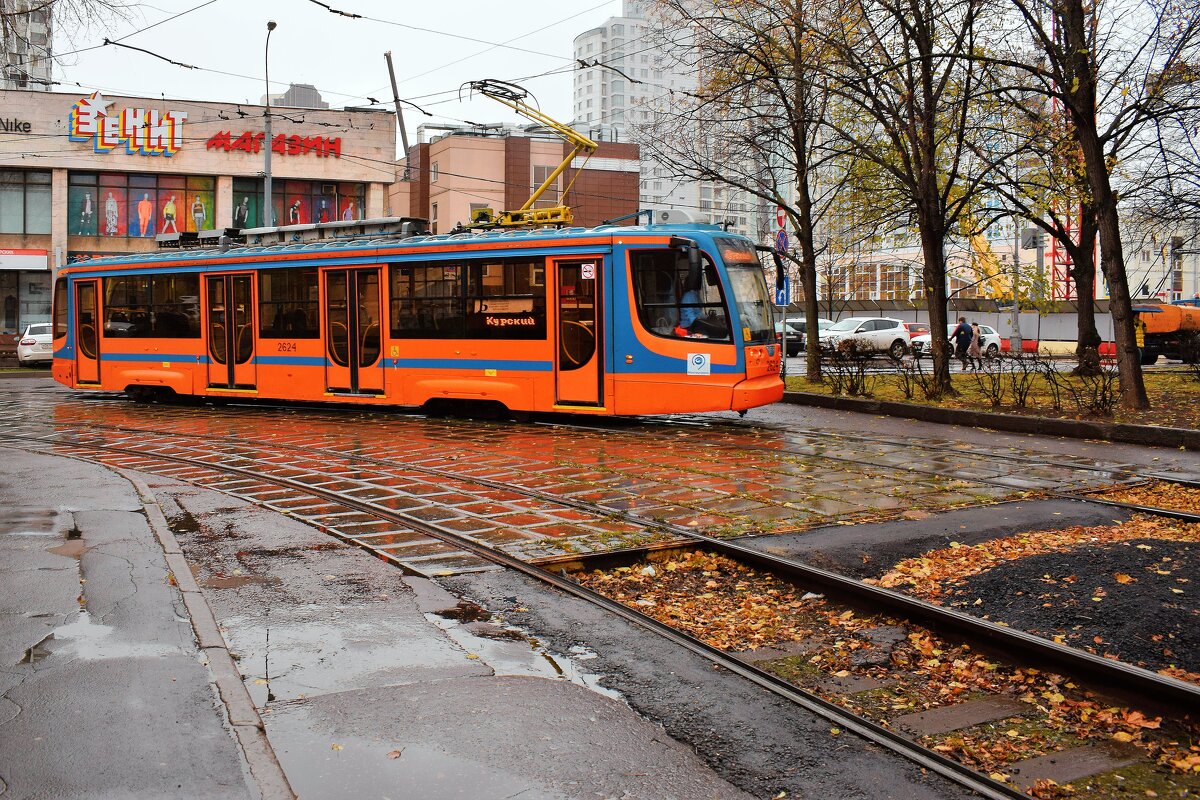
x: 540, y: 174
x: 589, y: 47
x: 658, y: 73
x: 589, y: 103
x: 433, y: 172
x: 24, y: 201
x: 433, y: 218
x: 618, y: 30
x: 1145, y: 255
x: 298, y: 202
x: 131, y: 205
x: 618, y: 99
x: 618, y: 86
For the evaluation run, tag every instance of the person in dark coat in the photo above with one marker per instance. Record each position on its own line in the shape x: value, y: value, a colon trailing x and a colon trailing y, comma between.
x: 962, y: 337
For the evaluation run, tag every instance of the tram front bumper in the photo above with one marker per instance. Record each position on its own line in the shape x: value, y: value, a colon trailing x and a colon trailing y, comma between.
x: 759, y: 391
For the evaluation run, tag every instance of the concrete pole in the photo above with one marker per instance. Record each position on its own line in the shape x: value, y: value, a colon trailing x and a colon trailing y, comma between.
x: 268, y: 199
x: 1014, y: 338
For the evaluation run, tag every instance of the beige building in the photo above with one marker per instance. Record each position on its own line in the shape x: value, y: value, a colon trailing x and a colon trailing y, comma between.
x: 86, y: 174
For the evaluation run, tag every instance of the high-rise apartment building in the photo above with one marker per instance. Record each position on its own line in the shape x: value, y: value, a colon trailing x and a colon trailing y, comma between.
x: 615, y: 102
x: 26, y: 30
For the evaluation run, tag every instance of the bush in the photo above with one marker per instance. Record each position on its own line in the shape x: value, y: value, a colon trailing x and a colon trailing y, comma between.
x: 845, y: 370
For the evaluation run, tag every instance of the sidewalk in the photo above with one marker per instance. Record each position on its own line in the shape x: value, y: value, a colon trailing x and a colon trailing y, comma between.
x: 362, y: 691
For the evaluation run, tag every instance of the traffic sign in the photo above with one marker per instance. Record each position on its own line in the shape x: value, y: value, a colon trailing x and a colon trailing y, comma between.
x: 783, y: 294
x: 780, y: 217
x: 781, y: 241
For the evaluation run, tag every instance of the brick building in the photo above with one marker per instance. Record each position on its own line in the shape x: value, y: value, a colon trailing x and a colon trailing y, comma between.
x: 498, y: 167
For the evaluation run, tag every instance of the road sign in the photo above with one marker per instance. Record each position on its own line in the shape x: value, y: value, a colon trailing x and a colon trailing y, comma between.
x: 783, y: 294
x: 780, y: 217
x: 781, y: 241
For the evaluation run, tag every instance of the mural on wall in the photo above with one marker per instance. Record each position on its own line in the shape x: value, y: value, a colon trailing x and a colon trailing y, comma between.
x: 143, y: 132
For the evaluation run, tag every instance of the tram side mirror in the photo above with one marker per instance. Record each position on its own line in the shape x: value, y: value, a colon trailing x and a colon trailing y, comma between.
x: 693, y: 259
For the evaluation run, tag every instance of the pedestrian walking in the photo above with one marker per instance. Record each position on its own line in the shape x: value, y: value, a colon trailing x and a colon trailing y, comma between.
x: 962, y: 340
x: 974, y: 351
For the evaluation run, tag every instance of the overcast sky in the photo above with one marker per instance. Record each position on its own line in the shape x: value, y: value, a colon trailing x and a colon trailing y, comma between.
x: 436, y: 47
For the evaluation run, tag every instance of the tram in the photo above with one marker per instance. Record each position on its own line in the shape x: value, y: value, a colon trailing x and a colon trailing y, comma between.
x: 652, y: 318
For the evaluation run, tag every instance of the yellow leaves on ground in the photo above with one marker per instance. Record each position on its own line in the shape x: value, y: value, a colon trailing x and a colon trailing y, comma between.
x: 928, y: 575
x: 1158, y: 494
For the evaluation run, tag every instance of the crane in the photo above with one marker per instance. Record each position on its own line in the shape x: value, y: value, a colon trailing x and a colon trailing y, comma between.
x: 514, y: 97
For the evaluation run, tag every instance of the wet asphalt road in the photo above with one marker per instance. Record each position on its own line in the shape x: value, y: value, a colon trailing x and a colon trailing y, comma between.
x: 366, y: 689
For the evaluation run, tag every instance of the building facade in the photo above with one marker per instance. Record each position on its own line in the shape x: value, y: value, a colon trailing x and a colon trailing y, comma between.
x: 27, y: 39
x: 465, y: 169
x: 85, y: 174
x: 617, y: 102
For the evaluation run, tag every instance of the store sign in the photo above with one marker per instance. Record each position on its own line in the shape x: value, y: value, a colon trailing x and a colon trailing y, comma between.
x: 321, y: 146
x: 24, y: 259
x: 143, y: 132
x: 15, y: 126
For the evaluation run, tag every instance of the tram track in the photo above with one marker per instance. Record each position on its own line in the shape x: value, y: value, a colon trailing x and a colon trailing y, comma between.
x: 1096, y: 671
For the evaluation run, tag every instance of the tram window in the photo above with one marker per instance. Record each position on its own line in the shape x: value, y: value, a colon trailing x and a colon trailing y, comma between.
x: 288, y: 307
x: 152, y: 307
x: 426, y: 301
x: 506, y: 300
x: 60, y: 308
x: 674, y: 303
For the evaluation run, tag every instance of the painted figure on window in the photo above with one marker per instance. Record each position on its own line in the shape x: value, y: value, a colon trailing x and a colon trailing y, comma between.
x: 169, y: 216
x: 348, y: 214
x: 199, y: 213
x: 145, y: 211
x: 294, y: 213
x: 241, y: 214
x: 86, y: 212
x: 111, y: 215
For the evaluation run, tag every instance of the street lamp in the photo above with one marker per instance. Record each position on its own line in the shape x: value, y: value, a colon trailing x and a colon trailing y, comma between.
x: 268, y: 200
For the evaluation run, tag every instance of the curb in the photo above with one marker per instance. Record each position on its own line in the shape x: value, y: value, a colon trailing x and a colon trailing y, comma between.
x: 243, y: 716
x: 1148, y: 435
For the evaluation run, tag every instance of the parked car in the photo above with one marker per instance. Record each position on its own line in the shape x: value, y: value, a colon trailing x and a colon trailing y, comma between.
x: 796, y: 328
x: 36, y: 345
x: 915, y: 329
x: 989, y: 341
x: 874, y: 334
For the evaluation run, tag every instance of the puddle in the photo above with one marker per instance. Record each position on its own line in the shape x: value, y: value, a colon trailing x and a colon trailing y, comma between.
x: 84, y: 638
x: 509, y: 651
x: 183, y: 522
x: 31, y: 522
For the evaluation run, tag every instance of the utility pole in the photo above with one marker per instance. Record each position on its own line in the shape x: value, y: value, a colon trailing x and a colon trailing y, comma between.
x: 399, y: 112
x: 1014, y: 338
x: 268, y: 199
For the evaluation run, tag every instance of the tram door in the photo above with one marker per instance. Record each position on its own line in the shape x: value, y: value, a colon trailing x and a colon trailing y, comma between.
x: 87, y: 337
x: 353, y: 338
x: 579, y: 365
x: 230, y: 329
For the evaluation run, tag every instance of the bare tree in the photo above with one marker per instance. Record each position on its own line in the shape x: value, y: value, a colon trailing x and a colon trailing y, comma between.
x: 66, y: 18
x: 904, y: 70
x: 1117, y: 70
x: 755, y: 120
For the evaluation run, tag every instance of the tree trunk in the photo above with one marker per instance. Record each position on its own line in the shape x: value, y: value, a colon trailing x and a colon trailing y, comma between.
x: 1083, y: 273
x: 933, y: 240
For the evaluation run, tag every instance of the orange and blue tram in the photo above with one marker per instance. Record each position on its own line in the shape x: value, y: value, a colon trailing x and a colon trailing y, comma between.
x: 620, y: 320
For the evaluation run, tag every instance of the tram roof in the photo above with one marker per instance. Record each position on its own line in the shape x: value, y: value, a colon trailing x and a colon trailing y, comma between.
x: 394, y: 241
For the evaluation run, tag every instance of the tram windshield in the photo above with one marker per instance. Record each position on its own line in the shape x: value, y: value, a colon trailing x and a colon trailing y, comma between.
x: 748, y: 288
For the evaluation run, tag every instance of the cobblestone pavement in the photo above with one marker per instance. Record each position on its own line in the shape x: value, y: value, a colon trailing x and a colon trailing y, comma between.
x: 570, y: 485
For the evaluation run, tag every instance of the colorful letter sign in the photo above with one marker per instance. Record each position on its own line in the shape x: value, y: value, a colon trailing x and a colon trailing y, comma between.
x: 143, y: 132
x: 322, y: 146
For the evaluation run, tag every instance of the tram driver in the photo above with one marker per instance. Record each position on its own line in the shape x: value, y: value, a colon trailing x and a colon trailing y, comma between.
x: 696, y: 318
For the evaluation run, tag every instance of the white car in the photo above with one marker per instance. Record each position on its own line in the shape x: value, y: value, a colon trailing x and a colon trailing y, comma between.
x: 875, y: 334
x: 36, y: 344
x: 989, y: 342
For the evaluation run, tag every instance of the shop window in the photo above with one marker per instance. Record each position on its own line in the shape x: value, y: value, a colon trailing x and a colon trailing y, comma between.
x: 298, y: 202
x: 118, y: 204
x: 288, y: 304
x: 152, y: 307
x: 24, y: 201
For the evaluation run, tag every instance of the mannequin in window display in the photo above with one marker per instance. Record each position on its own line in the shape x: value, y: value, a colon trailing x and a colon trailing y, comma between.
x: 323, y: 212
x: 294, y: 213
x: 241, y: 214
x: 145, y: 211
x: 111, y: 215
x: 86, y: 212
x: 169, y: 216
x: 348, y: 214
x: 199, y: 213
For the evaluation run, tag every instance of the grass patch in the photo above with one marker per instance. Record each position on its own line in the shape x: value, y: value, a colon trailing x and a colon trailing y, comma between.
x: 1174, y: 398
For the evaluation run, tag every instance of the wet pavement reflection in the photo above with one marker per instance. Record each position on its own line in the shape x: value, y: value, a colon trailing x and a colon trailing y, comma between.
x: 539, y: 490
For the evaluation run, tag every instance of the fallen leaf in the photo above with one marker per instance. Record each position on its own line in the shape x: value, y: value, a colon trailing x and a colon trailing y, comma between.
x: 395, y: 754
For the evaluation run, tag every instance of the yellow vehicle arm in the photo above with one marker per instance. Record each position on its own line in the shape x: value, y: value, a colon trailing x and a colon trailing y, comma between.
x: 514, y: 96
